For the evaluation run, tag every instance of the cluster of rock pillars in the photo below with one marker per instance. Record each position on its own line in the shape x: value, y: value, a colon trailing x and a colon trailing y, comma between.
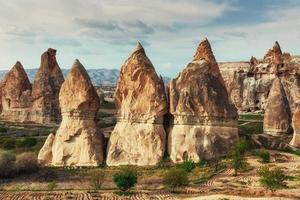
x: 193, y: 117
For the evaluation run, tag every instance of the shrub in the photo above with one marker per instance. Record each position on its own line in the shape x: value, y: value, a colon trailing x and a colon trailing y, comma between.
x: 188, y: 165
x: 27, y: 142
x: 125, y: 179
x: 175, y: 178
x: 7, y: 143
x: 26, y: 163
x: 96, y: 179
x: 7, y: 160
x: 47, y: 174
x: 272, y: 179
x: 264, y: 156
x: 52, y: 185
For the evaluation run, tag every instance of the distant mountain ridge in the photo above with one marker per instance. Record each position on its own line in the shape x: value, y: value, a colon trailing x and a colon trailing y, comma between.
x: 99, y: 76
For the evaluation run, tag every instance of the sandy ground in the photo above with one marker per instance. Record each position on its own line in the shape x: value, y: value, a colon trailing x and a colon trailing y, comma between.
x: 221, y: 197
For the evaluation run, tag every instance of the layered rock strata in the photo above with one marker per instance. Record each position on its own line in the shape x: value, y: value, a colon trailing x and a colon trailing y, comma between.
x: 205, y: 121
x: 139, y: 137
x: 45, y: 90
x: 77, y: 142
x: 15, y: 95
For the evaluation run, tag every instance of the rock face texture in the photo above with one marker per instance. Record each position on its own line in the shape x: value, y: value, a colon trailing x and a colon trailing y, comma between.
x: 21, y: 102
x: 139, y: 137
x: 205, y: 121
x: 15, y: 95
x: 45, y: 90
x: 277, y: 118
x: 249, y: 83
x: 77, y: 142
x: 296, y: 126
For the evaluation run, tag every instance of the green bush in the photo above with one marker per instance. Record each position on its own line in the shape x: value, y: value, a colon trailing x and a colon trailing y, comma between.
x: 273, y: 179
x: 264, y: 156
x: 7, y: 143
x: 175, y: 178
x: 26, y: 163
x: 7, y: 160
x: 3, y: 129
x: 187, y: 165
x: 241, y: 146
x: 125, y: 179
x: 27, y: 142
x: 108, y: 105
x: 52, y: 185
x: 96, y: 179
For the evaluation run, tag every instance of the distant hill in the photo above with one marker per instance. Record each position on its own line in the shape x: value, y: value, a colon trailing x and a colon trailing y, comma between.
x: 98, y: 76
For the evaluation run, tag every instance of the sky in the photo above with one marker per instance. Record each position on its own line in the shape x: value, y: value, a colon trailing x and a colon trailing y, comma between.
x: 102, y: 33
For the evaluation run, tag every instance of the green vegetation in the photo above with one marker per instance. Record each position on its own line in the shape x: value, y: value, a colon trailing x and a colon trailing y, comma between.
x: 264, y: 156
x: 104, y: 114
x: 237, y: 157
x: 188, y: 165
x: 11, y: 143
x: 52, y: 185
x: 108, y: 105
x: 26, y: 142
x: 273, y: 179
x: 251, y: 128
x: 175, y: 178
x: 125, y: 179
x: 251, y: 116
x: 96, y: 179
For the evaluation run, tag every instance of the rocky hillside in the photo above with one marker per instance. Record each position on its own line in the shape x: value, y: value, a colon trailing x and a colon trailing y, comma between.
x: 98, y: 76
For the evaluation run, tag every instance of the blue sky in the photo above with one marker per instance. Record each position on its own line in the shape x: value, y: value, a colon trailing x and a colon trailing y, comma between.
x: 102, y: 33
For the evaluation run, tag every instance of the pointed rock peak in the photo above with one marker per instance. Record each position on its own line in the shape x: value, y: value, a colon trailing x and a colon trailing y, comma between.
x: 138, y: 47
x: 253, y: 61
x: 51, y: 51
x: 18, y: 67
x: 78, y: 70
x: 204, y: 51
x: 277, y: 48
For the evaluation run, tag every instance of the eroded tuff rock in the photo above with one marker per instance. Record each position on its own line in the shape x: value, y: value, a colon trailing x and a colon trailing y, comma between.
x: 204, y: 52
x: 15, y: 95
x: 77, y: 142
x: 277, y: 118
x: 45, y: 90
x: 254, y: 81
x: 205, y: 121
x: 295, y: 142
x: 139, y: 137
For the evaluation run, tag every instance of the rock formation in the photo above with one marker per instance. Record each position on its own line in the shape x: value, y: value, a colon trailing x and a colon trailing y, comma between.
x: 277, y: 118
x: 77, y: 142
x: 254, y: 82
x: 45, y: 90
x: 204, y: 52
x: 296, y: 126
x: 205, y: 121
x: 15, y: 95
x: 139, y: 137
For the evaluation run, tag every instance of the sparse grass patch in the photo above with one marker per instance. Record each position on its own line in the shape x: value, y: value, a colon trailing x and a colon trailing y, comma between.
x: 251, y: 128
x: 251, y: 117
x: 108, y: 105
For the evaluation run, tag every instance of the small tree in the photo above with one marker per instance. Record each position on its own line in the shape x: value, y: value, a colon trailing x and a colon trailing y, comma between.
x: 52, y: 185
x: 237, y: 160
x: 96, y: 179
x: 272, y: 179
x: 175, y: 178
x: 125, y: 179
